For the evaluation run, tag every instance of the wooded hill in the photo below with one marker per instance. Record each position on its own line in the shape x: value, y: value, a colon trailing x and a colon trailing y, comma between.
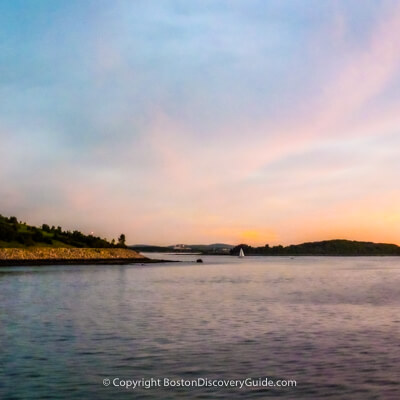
x: 19, y: 234
x: 324, y: 248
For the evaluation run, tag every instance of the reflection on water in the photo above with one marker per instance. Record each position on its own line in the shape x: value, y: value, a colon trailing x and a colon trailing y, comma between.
x: 331, y: 324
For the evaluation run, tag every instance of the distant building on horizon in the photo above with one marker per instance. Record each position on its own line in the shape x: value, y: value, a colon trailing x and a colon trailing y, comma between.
x: 181, y: 247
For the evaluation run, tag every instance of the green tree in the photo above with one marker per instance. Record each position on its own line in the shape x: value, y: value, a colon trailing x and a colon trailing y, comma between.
x: 13, y: 220
x: 46, y: 228
x: 121, y: 240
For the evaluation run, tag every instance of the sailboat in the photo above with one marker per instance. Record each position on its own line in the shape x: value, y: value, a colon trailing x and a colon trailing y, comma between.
x: 241, y: 253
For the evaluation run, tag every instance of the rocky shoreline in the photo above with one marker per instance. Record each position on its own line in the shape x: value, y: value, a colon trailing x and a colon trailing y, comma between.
x: 70, y: 256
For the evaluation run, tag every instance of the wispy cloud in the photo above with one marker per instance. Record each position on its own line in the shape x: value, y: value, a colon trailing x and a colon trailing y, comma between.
x: 203, y: 121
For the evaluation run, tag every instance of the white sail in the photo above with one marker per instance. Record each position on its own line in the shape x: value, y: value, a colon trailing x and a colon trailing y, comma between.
x: 241, y: 253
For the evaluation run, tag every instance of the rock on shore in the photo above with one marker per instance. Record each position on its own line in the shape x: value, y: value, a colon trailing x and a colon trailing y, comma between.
x: 46, y: 253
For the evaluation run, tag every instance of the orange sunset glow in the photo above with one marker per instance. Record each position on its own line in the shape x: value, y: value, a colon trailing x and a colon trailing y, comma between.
x: 228, y: 129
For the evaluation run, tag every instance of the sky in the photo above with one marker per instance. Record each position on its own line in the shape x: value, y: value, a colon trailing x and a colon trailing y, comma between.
x: 202, y: 121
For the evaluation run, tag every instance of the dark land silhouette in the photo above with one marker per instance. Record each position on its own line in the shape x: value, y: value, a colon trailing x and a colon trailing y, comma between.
x: 336, y: 247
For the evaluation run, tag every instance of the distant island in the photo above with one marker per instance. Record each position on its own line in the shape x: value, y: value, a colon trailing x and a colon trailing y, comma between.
x: 338, y: 247
x: 215, y: 248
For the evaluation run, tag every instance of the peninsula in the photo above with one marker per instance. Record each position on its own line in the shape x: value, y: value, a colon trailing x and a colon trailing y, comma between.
x: 22, y: 245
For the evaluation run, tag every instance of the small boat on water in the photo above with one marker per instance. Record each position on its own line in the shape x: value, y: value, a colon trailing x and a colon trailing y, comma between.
x: 241, y: 253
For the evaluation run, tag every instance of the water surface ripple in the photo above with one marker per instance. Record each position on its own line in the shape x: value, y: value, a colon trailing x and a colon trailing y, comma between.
x: 331, y: 324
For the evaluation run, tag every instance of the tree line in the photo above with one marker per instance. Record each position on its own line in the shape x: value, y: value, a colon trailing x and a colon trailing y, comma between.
x: 13, y: 231
x: 323, y: 248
